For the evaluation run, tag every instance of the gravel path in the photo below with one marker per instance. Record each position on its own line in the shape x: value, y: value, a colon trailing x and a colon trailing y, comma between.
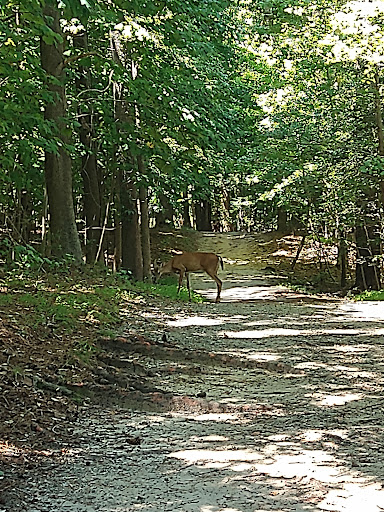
x: 301, y: 432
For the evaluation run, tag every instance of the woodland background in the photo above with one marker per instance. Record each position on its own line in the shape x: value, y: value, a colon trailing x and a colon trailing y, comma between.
x: 121, y: 116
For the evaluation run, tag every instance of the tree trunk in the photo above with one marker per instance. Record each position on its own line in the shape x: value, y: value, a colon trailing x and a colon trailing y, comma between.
x: 227, y: 223
x: 282, y: 220
x: 203, y: 211
x: 131, y: 247
x: 89, y: 171
x: 342, y: 259
x: 186, y: 212
x: 118, y: 246
x: 367, y: 270
x: 132, y: 257
x: 144, y: 223
x: 368, y: 243
x: 58, y: 166
x: 145, y: 236
x: 164, y: 218
x: 299, y: 249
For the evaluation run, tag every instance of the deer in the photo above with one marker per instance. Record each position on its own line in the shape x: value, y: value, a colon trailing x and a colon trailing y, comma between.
x: 192, y: 262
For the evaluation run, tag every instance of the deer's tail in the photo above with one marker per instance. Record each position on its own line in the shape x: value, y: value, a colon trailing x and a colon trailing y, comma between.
x: 221, y: 262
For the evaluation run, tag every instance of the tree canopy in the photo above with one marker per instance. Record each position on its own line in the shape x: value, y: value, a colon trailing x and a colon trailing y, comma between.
x: 124, y: 115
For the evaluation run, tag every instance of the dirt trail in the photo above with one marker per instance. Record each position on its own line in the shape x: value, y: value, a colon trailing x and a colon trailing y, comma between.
x: 250, y: 273
x: 288, y: 418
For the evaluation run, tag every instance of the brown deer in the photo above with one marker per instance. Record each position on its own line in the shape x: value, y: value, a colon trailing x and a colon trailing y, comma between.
x: 191, y: 262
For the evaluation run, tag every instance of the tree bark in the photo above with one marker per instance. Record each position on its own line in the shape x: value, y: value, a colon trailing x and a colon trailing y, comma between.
x: 367, y: 270
x: 342, y: 259
x: 203, y: 210
x: 144, y: 223
x: 299, y: 249
x: 118, y: 244
x: 145, y: 236
x: 58, y: 166
x: 186, y: 211
x: 132, y: 256
x: 164, y: 218
x: 368, y: 243
x: 282, y: 220
x: 226, y: 202
x: 89, y: 170
x: 131, y: 237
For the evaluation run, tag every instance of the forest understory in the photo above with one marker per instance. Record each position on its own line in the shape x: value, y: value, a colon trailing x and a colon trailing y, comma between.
x: 269, y: 400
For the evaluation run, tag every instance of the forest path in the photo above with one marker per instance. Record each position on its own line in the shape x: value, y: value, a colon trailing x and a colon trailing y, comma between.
x: 251, y: 268
x: 274, y: 405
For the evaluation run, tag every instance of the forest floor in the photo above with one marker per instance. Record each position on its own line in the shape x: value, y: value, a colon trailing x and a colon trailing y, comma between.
x: 269, y: 401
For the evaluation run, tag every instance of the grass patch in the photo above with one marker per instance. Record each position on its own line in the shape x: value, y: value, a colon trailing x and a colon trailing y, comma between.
x: 167, y: 288
x: 371, y: 295
x: 66, y: 302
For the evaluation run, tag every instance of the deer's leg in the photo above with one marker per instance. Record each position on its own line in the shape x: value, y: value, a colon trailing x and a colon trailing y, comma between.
x: 188, y: 286
x: 181, y: 275
x: 219, y: 285
x: 182, y: 271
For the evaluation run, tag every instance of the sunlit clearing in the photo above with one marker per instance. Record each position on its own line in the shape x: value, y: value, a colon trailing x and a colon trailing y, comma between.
x: 240, y: 293
x: 313, y: 464
x: 351, y: 491
x: 263, y: 356
x: 217, y: 456
x: 278, y: 437
x: 236, y: 262
x: 349, y: 371
x: 353, y: 348
x: 196, y: 320
x: 310, y: 365
x: 311, y: 436
x: 331, y: 400
x: 364, y: 310
x: 266, y: 333
x: 354, y: 497
x: 209, y: 439
x: 217, y: 417
x: 269, y: 333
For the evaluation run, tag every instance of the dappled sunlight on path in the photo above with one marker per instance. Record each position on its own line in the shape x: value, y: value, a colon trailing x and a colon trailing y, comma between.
x: 273, y: 402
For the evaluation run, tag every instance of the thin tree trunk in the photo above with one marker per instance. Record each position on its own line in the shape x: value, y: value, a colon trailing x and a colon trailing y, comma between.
x: 117, y: 251
x: 342, y: 258
x: 145, y: 237
x: 282, y: 220
x: 186, y: 211
x: 367, y: 271
x: 144, y: 218
x: 226, y: 202
x: 300, y: 248
x: 132, y: 257
x: 368, y: 243
x: 58, y: 166
x: 45, y: 243
x: 89, y: 171
x: 164, y: 218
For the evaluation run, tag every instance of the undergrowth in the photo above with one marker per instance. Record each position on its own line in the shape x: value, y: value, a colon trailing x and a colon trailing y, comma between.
x: 64, y: 314
x: 371, y: 295
x: 94, y: 297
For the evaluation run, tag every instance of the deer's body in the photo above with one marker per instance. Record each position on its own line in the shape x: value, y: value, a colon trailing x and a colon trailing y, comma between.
x: 193, y: 262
